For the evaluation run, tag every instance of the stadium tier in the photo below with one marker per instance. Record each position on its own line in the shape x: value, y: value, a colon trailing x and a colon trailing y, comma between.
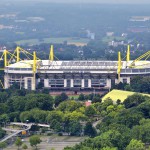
x: 72, y: 75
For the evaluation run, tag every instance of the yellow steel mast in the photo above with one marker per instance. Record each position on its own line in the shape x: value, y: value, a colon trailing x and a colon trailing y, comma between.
x: 18, y: 53
x: 34, y: 69
x: 51, y: 55
x: 34, y: 62
x: 119, y: 66
x: 128, y: 53
x: 5, y: 58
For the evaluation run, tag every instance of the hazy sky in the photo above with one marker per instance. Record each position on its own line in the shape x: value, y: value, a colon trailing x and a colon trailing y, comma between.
x: 96, y: 1
x: 105, y: 1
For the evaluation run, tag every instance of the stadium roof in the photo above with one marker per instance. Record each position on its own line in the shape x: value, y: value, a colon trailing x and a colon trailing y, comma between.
x: 80, y: 65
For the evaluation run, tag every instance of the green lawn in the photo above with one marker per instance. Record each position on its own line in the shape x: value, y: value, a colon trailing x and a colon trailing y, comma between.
x: 70, y: 96
x: 109, y: 39
x: 76, y: 41
x: 74, y: 96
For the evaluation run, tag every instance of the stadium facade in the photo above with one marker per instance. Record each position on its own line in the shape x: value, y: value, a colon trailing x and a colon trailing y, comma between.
x: 72, y: 75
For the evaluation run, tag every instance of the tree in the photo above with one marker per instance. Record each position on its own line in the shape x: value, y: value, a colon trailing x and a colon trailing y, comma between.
x: 110, y: 138
x: 41, y: 101
x: 89, y: 130
x: 2, y: 145
x: 64, y: 96
x: 39, y: 116
x: 24, y: 146
x: 96, y: 99
x: 16, y: 103
x: 128, y: 117
x: 69, y: 105
x: 34, y: 140
x: 142, y: 132
x: 109, y: 148
x: 55, y: 115
x: 2, y: 133
x: 4, y: 119
x: 90, y: 111
x: 26, y: 115
x: 56, y: 125
x: 60, y: 98
x: 128, y: 87
x: 75, y: 128
x: 141, y: 84
x: 3, y: 97
x: 135, y: 145
x: 18, y: 142
x: 134, y: 100
x: 81, y: 97
x: 110, y: 108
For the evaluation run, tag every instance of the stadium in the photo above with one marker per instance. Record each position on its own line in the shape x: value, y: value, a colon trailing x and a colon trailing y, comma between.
x: 75, y: 76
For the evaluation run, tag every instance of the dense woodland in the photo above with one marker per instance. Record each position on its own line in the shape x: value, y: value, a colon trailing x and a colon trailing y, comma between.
x: 120, y: 125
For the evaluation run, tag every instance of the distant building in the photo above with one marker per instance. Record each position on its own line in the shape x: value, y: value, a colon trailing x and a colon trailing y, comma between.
x: 140, y: 18
x: 115, y: 44
x: 110, y: 34
x: 124, y: 34
x: 90, y: 35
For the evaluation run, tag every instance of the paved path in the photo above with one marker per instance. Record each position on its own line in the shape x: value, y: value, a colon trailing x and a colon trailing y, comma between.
x: 16, y: 132
x: 95, y: 123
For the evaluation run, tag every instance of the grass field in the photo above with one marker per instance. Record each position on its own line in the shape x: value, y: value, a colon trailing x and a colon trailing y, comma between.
x: 109, y: 39
x: 49, y: 142
x: 75, y: 41
x: 119, y: 94
x: 70, y: 96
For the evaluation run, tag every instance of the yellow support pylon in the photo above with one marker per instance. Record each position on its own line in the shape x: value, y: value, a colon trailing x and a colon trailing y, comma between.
x: 5, y: 58
x: 128, y: 53
x: 51, y: 55
x: 18, y: 53
x: 119, y: 66
x: 34, y: 70
x: 34, y: 62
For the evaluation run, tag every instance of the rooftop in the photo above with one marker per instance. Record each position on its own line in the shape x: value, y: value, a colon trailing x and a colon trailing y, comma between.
x: 80, y: 65
x: 120, y: 94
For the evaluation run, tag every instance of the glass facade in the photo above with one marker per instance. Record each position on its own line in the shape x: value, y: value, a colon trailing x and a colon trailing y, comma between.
x: 56, y: 82
x: 68, y: 83
x: 77, y: 82
x: 86, y: 83
x: 98, y: 82
x: 19, y: 82
x: 29, y: 84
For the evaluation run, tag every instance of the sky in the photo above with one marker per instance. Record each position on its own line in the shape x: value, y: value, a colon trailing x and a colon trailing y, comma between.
x: 100, y: 1
x: 95, y: 1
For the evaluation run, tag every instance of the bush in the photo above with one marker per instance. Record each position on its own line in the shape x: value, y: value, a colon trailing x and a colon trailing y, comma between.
x: 60, y: 134
x: 49, y: 134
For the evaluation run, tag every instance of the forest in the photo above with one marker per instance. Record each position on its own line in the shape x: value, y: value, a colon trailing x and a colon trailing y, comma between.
x: 120, y: 126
